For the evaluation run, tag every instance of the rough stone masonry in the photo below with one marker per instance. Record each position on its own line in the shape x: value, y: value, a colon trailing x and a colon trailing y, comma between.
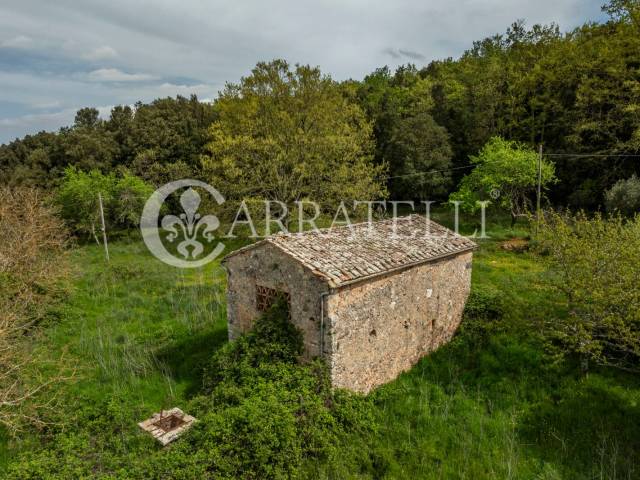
x: 371, y: 298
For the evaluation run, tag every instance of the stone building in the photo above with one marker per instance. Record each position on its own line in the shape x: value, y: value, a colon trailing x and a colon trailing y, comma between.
x: 372, y: 298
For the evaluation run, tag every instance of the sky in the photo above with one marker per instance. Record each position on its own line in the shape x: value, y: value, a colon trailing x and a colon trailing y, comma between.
x: 58, y: 56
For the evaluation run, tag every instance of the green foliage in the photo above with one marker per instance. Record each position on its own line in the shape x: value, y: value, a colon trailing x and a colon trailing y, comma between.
x: 286, y: 135
x: 506, y: 173
x: 141, y: 332
x: 261, y: 414
x: 123, y: 198
x: 417, y: 145
x: 574, y: 92
x: 174, y: 130
x: 597, y: 265
x: 260, y: 373
x: 484, y: 304
x: 624, y: 197
x: 407, y: 137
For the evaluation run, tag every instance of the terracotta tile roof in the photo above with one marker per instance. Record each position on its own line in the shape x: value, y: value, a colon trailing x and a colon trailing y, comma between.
x: 343, y: 255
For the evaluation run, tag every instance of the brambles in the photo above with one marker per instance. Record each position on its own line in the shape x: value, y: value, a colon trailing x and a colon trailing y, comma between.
x: 32, y: 267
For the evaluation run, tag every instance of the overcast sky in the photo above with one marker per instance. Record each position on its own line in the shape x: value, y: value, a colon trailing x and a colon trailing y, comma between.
x: 57, y: 56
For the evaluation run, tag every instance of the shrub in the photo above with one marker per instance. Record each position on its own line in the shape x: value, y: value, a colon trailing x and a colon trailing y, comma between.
x: 261, y: 414
x: 32, y: 265
x: 482, y: 313
x: 484, y: 304
x: 624, y: 197
x: 123, y: 198
x: 596, y: 264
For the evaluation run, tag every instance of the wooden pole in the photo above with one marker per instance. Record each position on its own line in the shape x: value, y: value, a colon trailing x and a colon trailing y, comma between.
x: 539, y: 189
x: 104, y: 228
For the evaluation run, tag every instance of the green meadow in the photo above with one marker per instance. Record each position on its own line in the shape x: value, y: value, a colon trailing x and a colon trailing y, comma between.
x: 491, y: 404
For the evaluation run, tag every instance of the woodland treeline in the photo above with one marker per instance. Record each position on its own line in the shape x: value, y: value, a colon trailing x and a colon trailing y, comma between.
x: 577, y: 93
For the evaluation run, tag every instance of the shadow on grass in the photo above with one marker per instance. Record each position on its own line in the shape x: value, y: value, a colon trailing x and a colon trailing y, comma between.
x: 187, y: 358
x: 579, y: 426
x: 591, y: 427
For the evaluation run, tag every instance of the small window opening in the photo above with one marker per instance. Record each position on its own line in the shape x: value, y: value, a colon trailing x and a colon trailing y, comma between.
x: 266, y: 297
x: 373, y: 333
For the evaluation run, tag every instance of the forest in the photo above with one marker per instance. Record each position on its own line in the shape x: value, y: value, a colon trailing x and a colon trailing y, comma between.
x: 575, y: 93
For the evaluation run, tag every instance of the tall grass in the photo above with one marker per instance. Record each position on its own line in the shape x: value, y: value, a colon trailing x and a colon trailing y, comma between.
x: 491, y: 404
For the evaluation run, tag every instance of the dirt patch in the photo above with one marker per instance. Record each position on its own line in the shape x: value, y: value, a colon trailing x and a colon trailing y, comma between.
x: 517, y: 245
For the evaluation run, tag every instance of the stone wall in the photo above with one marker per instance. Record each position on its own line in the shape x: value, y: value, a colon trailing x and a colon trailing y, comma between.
x: 268, y: 266
x: 382, y: 327
x: 374, y: 329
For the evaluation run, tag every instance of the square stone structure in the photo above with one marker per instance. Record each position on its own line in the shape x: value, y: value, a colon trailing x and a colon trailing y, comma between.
x: 370, y: 298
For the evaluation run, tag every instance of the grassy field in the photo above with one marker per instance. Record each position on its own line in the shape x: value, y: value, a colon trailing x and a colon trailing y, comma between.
x: 492, y: 404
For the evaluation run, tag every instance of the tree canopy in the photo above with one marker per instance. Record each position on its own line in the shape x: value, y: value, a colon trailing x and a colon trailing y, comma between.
x: 506, y: 174
x: 289, y: 134
x: 576, y: 92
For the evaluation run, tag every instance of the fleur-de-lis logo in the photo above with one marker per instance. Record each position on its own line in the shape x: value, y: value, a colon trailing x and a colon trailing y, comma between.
x: 189, y: 229
x: 190, y: 223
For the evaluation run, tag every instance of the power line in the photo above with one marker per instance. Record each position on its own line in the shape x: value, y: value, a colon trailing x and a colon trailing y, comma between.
x: 587, y: 155
x: 427, y: 172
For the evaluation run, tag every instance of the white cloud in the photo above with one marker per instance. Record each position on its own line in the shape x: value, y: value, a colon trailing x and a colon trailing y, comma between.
x: 47, y: 120
x: 47, y: 105
x: 143, y: 52
x: 19, y: 41
x: 115, y: 75
x: 101, y: 53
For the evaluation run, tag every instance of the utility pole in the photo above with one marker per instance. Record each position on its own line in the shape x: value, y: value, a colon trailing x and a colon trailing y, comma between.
x: 539, y: 189
x: 104, y: 228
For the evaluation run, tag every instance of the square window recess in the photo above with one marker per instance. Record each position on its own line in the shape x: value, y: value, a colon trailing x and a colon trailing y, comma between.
x: 167, y: 425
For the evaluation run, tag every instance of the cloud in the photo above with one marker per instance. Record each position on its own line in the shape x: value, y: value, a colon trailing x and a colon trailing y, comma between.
x: 101, y: 53
x: 47, y: 105
x: 412, y: 55
x: 48, y: 120
x: 392, y: 53
x: 19, y: 41
x: 75, y: 54
x: 115, y: 75
x: 402, y: 54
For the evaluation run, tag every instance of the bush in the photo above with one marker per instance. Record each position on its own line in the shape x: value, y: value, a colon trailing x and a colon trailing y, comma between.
x: 32, y: 265
x: 261, y: 414
x: 484, y: 304
x: 624, y: 197
x: 123, y: 198
x: 596, y: 264
x: 482, y: 313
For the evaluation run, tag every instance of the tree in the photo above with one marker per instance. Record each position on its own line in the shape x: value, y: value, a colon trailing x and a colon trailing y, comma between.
x: 624, y: 197
x: 505, y: 173
x: 624, y: 10
x: 174, y: 129
x: 123, y: 198
x: 130, y: 193
x: 417, y: 145
x: 287, y: 135
x: 87, y: 118
x: 597, y: 266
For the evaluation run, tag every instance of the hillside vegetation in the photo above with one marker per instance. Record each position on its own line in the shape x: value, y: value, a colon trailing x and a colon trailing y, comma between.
x: 495, y: 403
